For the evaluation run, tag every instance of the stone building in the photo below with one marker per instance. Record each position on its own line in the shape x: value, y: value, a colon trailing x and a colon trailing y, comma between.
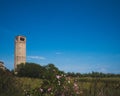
x: 20, y: 51
x: 2, y: 65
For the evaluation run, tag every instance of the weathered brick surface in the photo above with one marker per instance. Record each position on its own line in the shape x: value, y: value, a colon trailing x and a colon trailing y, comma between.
x: 20, y: 51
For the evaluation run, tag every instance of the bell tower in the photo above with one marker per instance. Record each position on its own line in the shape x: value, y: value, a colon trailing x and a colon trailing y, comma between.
x: 20, y: 51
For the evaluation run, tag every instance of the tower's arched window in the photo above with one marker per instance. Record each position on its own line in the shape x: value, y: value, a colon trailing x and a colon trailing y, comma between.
x: 22, y: 39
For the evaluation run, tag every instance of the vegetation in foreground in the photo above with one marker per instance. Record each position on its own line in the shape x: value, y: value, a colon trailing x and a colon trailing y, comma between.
x: 36, y: 80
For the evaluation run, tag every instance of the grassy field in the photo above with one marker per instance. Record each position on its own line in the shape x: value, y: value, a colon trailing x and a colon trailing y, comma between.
x: 87, y: 86
x: 56, y: 83
x: 99, y: 86
x: 29, y: 83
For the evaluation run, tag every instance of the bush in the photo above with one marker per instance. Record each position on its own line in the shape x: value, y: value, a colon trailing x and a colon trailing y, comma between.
x: 8, y: 84
x: 29, y: 70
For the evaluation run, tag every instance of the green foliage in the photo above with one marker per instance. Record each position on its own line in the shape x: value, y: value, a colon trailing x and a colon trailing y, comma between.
x: 29, y: 70
x: 36, y: 80
x: 54, y: 83
x: 50, y: 71
x: 37, y: 71
x: 8, y: 84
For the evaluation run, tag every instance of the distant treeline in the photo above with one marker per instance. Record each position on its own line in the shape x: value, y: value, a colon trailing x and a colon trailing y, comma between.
x: 38, y: 71
x: 92, y: 74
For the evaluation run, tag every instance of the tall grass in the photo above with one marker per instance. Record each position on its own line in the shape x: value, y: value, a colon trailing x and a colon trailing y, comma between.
x: 85, y: 86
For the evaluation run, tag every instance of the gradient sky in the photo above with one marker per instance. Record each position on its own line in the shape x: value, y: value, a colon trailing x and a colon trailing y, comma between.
x: 75, y: 35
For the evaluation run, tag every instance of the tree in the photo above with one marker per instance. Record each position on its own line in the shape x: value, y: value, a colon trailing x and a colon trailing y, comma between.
x: 30, y: 70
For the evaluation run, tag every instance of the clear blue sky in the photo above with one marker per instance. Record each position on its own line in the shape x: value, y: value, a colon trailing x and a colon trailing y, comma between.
x: 75, y: 35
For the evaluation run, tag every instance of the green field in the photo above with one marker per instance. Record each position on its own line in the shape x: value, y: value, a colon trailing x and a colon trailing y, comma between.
x: 87, y: 86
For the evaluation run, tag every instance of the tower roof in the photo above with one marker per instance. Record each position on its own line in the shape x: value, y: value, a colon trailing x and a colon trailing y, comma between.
x: 20, y: 36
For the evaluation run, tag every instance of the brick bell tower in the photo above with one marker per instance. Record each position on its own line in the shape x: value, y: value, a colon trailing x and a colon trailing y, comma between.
x: 20, y: 51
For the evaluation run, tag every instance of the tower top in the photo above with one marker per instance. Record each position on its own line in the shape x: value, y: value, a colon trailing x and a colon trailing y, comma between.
x: 20, y: 35
x: 20, y: 38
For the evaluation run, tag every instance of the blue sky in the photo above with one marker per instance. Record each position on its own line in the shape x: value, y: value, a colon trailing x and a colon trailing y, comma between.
x: 75, y: 35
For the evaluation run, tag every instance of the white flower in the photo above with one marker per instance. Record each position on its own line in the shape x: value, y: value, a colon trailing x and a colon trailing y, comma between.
x: 49, y: 89
x: 68, y: 81
x: 41, y: 89
x: 58, y: 82
x: 75, y: 84
x: 58, y: 77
